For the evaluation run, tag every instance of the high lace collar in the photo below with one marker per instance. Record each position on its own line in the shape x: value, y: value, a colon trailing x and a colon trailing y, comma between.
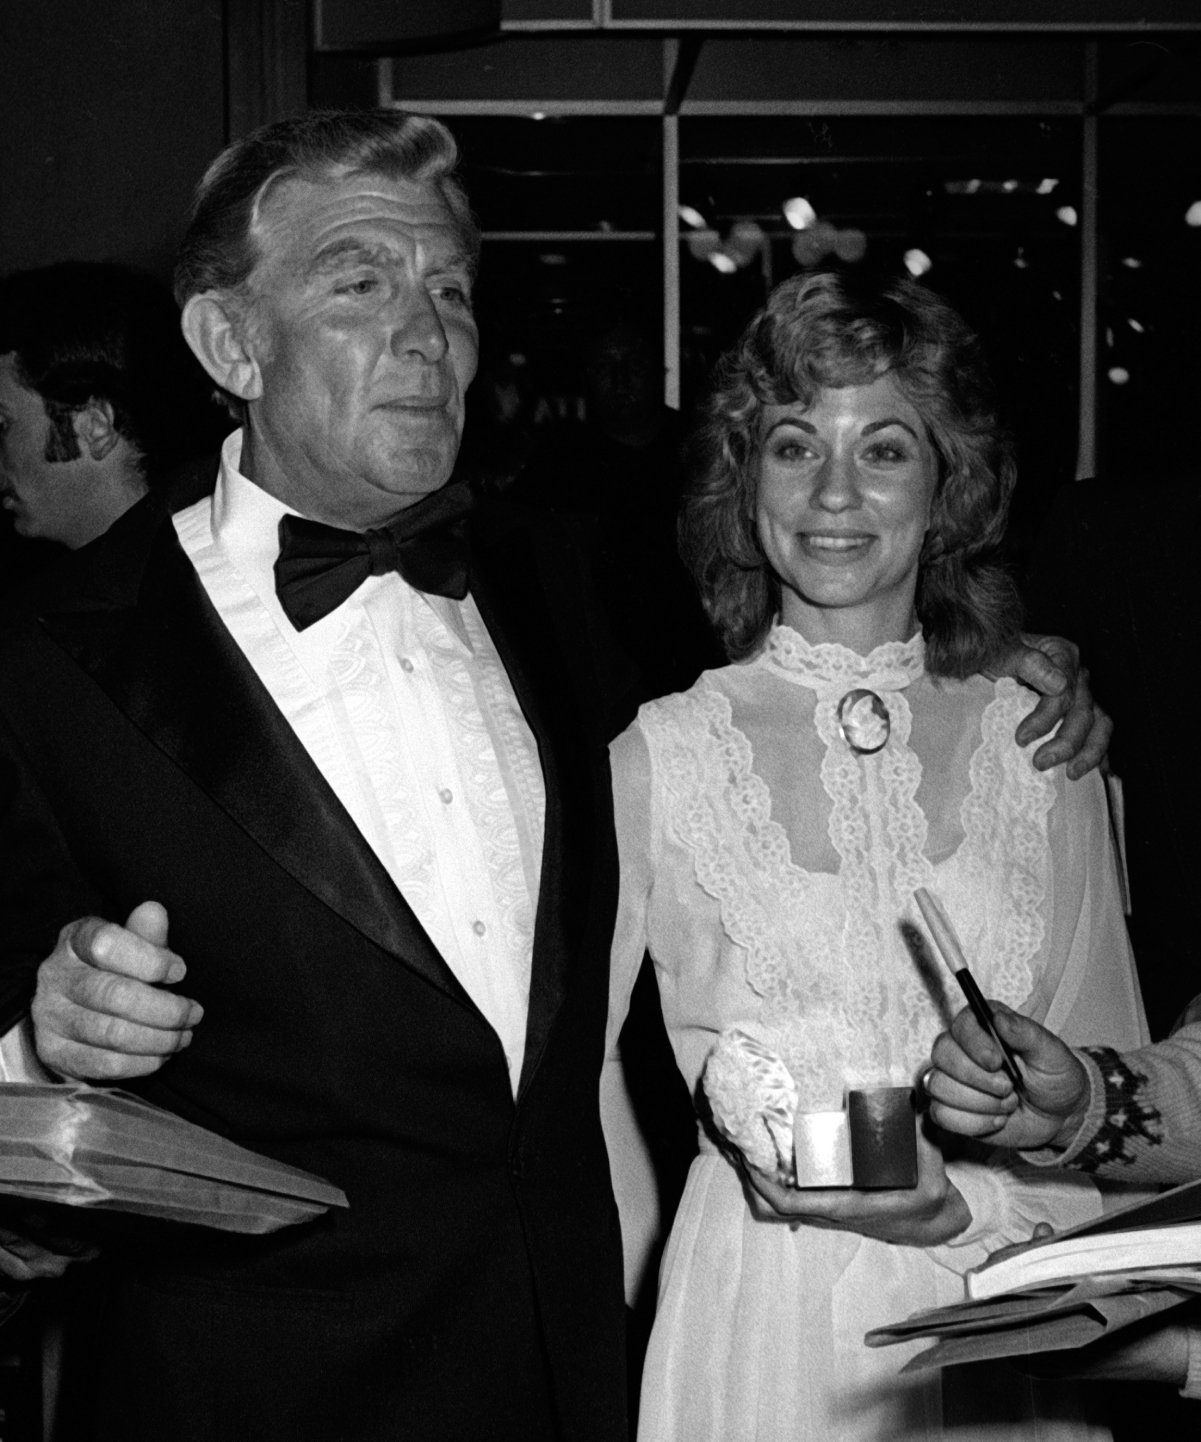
x: 890, y: 667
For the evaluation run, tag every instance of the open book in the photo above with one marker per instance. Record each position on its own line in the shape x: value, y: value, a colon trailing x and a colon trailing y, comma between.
x: 1085, y: 1283
x: 1160, y: 1235
x: 105, y: 1150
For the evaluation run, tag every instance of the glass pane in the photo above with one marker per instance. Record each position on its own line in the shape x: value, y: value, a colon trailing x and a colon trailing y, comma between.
x: 570, y: 210
x: 1149, y: 363
x: 991, y: 204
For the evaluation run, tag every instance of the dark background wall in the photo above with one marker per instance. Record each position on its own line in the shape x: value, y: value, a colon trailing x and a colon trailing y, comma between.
x: 109, y: 113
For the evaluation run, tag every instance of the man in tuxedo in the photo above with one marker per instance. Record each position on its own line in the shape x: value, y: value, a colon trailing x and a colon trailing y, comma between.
x: 337, y: 749
x: 374, y: 821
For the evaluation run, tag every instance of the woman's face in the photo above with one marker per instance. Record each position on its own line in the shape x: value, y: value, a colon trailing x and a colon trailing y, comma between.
x: 843, y: 501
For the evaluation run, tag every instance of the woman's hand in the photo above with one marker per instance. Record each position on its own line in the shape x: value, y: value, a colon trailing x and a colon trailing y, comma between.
x: 922, y: 1216
x: 971, y: 1094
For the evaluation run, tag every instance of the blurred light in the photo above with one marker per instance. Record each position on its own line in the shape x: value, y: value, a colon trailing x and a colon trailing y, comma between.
x: 814, y: 244
x: 552, y: 257
x: 808, y: 247
x: 744, y: 242
x: 1057, y: 295
x: 1012, y: 186
x: 1020, y: 260
x: 850, y: 245
x: 1119, y: 375
x: 722, y: 262
x: 1109, y: 337
x: 538, y: 114
x: 1132, y: 262
x: 799, y: 213
x: 1137, y: 326
x: 1067, y: 213
x: 691, y: 216
x: 917, y: 262
x: 702, y: 243
x: 1192, y: 216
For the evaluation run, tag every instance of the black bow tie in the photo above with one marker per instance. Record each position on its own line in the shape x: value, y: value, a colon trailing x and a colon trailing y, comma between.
x: 319, y: 566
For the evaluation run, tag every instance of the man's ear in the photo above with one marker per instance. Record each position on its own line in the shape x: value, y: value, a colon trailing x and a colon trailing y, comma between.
x: 95, y: 429
x: 217, y: 332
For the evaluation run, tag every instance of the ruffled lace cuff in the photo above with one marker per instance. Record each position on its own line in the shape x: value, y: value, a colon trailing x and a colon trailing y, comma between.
x: 1007, y: 1203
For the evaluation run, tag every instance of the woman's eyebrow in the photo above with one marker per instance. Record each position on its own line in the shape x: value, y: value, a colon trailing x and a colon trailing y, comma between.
x: 792, y: 421
x: 890, y: 421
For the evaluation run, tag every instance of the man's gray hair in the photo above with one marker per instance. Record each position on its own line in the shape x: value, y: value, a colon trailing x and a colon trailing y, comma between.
x: 219, y: 248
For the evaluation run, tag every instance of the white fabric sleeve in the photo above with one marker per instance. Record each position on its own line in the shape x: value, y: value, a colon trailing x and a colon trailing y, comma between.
x: 630, y: 1162
x: 1087, y: 991
x: 1096, y: 999
x: 18, y: 1058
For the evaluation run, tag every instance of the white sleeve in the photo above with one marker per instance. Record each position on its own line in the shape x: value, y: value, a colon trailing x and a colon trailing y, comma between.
x: 630, y: 1163
x: 1087, y: 991
x: 18, y: 1059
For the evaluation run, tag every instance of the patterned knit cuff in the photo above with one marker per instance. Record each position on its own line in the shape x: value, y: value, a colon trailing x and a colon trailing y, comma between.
x: 1127, y: 1121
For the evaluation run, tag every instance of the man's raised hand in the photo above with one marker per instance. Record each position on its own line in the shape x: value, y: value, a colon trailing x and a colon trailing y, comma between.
x: 1051, y: 666
x: 100, y: 1012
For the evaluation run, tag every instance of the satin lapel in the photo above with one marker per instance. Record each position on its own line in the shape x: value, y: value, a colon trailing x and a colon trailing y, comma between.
x: 173, y: 668
x: 507, y: 586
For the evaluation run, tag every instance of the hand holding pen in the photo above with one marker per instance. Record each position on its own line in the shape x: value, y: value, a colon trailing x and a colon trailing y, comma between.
x: 970, y: 1083
x: 951, y: 952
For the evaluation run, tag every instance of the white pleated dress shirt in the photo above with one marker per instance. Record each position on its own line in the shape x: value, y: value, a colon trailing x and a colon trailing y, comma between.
x: 405, y: 708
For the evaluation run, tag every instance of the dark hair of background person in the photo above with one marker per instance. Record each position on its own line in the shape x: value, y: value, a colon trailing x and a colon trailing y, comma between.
x: 99, y: 330
x: 836, y: 328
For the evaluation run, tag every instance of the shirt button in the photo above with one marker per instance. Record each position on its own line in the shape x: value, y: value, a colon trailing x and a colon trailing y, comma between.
x: 447, y: 795
x: 478, y: 927
x: 405, y: 664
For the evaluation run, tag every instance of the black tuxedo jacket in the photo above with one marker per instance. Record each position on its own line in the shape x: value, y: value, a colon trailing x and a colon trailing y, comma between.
x: 473, y: 1289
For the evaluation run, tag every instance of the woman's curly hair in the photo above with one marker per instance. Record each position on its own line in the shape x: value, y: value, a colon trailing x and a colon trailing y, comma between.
x: 831, y: 329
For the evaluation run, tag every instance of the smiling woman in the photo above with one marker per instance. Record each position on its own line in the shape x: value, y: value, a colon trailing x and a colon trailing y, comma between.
x: 845, y: 491
x: 773, y: 823
x: 851, y: 444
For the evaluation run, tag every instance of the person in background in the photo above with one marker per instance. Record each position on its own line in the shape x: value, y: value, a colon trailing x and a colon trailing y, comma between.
x: 773, y: 822
x: 98, y: 394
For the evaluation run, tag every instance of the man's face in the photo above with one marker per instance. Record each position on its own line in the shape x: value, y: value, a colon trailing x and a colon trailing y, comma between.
x: 42, y: 496
x: 362, y: 329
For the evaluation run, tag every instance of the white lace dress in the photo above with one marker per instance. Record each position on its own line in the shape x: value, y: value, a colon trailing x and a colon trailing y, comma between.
x: 769, y: 869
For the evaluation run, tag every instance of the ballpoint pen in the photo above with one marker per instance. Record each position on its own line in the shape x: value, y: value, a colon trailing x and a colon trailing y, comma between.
x: 952, y: 953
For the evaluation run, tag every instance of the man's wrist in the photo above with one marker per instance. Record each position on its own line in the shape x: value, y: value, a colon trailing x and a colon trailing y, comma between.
x: 1069, y: 1128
